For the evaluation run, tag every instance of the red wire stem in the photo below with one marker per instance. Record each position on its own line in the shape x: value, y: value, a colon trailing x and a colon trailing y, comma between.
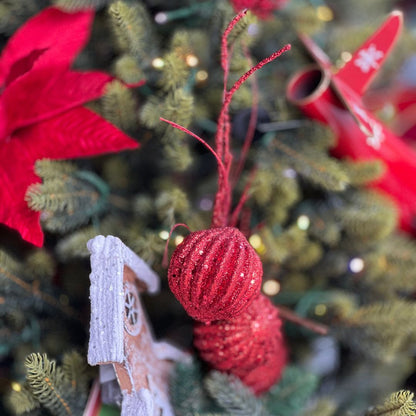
x: 291, y: 316
x: 165, y: 261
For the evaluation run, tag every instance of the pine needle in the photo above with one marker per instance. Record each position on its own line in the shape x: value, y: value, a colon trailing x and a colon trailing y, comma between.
x: 397, y: 404
x: 46, y: 384
x: 289, y: 396
x: 233, y: 396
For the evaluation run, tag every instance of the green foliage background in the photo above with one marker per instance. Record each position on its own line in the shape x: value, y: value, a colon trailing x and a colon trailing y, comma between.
x: 310, y: 214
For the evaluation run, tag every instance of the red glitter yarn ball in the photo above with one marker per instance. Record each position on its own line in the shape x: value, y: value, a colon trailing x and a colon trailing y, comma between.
x: 249, y: 346
x: 215, y: 273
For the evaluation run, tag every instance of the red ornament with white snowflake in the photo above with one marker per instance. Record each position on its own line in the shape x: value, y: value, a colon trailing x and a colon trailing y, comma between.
x: 249, y: 346
x: 41, y: 113
x: 261, y: 8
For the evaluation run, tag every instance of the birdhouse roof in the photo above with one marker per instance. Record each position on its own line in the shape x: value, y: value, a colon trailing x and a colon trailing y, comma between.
x: 109, y: 256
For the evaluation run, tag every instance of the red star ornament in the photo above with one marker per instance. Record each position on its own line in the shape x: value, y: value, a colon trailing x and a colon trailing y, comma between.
x: 40, y: 110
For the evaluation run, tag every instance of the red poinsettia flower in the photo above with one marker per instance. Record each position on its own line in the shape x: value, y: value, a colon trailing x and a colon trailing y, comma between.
x: 261, y: 8
x: 41, y: 113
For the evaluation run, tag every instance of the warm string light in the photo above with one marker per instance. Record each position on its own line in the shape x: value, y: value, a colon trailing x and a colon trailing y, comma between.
x: 161, y: 18
x: 346, y: 56
x: 179, y: 239
x: 164, y: 17
x: 164, y: 235
x: 257, y: 243
x: 205, y: 204
x: 356, y: 265
x: 191, y: 60
x: 324, y: 13
x: 321, y: 309
x: 290, y: 173
x: 303, y: 222
x: 271, y: 287
x: 158, y: 63
x: 16, y: 386
x: 201, y: 75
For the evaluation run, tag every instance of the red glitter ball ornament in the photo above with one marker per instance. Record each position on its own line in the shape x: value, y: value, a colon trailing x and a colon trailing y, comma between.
x: 249, y: 346
x: 261, y: 8
x: 215, y: 273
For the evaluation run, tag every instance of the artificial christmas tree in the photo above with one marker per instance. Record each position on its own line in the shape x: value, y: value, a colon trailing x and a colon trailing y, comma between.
x: 339, y: 275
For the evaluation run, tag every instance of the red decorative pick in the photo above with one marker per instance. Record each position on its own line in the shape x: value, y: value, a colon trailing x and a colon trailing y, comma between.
x: 249, y: 346
x: 261, y: 8
x: 40, y: 109
x: 215, y: 273
x: 336, y: 100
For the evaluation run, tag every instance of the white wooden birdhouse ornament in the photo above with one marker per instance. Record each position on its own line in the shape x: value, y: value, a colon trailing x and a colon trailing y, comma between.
x: 120, y: 333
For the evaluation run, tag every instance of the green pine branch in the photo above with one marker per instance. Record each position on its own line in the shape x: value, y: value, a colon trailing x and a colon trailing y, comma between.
x: 75, y: 5
x: 62, y: 391
x: 133, y: 31
x: 13, y: 13
x: 171, y: 203
x: 74, y: 370
x: 400, y: 403
x: 314, y: 165
x: 323, y: 407
x: 46, y: 382
x: 289, y: 396
x: 22, y: 402
x: 233, y: 396
x: 186, y: 389
x: 127, y: 69
x: 380, y: 330
x: 364, y: 171
x: 68, y: 198
x: 175, y: 72
x: 366, y: 216
x: 119, y: 106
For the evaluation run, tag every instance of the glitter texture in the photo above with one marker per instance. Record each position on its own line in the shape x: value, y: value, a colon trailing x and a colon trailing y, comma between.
x: 249, y: 346
x: 219, y: 283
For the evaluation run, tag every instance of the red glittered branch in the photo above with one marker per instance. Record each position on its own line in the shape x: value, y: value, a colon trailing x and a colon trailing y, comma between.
x: 235, y: 175
x: 222, y: 204
x: 185, y: 130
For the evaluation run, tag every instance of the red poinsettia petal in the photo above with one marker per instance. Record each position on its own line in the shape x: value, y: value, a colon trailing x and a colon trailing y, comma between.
x: 59, y: 35
x: 75, y: 133
x: 44, y: 93
x: 16, y: 174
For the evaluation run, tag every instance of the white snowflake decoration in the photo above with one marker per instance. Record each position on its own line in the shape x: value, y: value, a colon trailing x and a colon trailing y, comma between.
x: 368, y: 58
x: 377, y: 137
x: 374, y: 131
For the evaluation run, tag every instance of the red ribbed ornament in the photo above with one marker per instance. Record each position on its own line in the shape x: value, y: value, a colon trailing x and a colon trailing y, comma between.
x: 215, y: 273
x: 249, y: 346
